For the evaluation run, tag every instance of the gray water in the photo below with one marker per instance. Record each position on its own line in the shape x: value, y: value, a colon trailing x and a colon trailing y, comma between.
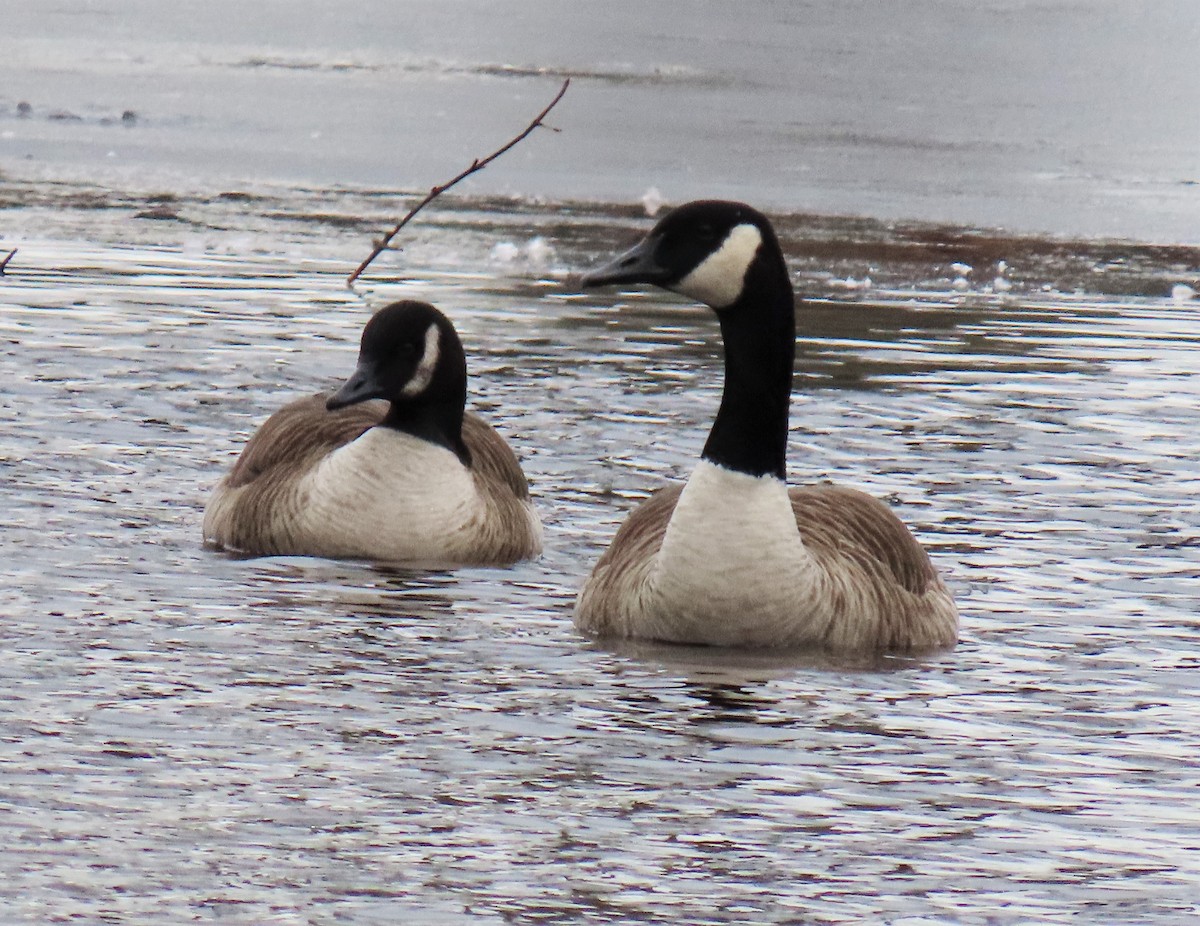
x: 1071, y: 117
x: 193, y: 737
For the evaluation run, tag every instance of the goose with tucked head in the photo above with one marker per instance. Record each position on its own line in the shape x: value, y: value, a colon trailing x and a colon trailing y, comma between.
x: 390, y: 467
x: 735, y: 557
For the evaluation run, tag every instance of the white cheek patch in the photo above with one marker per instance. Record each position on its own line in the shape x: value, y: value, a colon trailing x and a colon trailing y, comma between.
x: 717, y: 281
x: 429, y: 360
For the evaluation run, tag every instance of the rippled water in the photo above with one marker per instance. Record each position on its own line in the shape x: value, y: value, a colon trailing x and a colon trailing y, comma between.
x: 193, y: 737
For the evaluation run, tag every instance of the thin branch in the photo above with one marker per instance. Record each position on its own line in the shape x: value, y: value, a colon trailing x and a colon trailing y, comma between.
x: 7, y: 257
x: 476, y: 165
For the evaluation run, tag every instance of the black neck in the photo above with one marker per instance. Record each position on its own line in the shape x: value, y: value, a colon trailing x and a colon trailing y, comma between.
x: 751, y: 429
x: 437, y: 422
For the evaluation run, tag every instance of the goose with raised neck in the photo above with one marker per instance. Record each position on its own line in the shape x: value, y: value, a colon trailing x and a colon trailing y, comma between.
x: 734, y: 557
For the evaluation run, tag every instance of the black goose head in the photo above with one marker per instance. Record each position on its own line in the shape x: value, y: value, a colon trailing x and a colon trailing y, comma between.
x: 411, y: 356
x: 726, y: 254
x: 702, y: 250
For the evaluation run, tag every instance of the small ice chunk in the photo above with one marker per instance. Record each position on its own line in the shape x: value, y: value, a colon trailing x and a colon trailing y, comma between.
x: 961, y: 283
x: 504, y: 252
x: 536, y: 252
x: 1000, y: 284
x: 652, y: 201
x: 852, y: 283
x: 539, y: 251
x: 961, y: 269
x: 1181, y: 292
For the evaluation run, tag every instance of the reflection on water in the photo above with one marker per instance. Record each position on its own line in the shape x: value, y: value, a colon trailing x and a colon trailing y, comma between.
x: 190, y: 735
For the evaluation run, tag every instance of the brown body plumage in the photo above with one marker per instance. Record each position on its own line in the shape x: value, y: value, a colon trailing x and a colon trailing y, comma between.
x: 848, y: 534
x: 255, y: 508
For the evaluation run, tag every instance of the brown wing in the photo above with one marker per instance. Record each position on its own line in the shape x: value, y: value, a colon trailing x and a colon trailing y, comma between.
x: 300, y: 432
x: 624, y: 568
x: 840, y: 523
x: 510, y: 529
x: 641, y: 536
x: 492, y: 459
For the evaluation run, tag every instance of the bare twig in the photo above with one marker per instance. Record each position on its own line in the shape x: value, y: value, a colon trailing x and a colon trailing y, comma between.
x: 7, y: 257
x: 476, y: 165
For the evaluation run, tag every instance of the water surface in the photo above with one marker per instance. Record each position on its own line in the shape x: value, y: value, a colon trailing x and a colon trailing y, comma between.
x: 193, y: 737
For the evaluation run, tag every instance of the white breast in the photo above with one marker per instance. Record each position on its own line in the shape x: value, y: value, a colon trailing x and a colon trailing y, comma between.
x: 389, y: 495
x: 732, y: 569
